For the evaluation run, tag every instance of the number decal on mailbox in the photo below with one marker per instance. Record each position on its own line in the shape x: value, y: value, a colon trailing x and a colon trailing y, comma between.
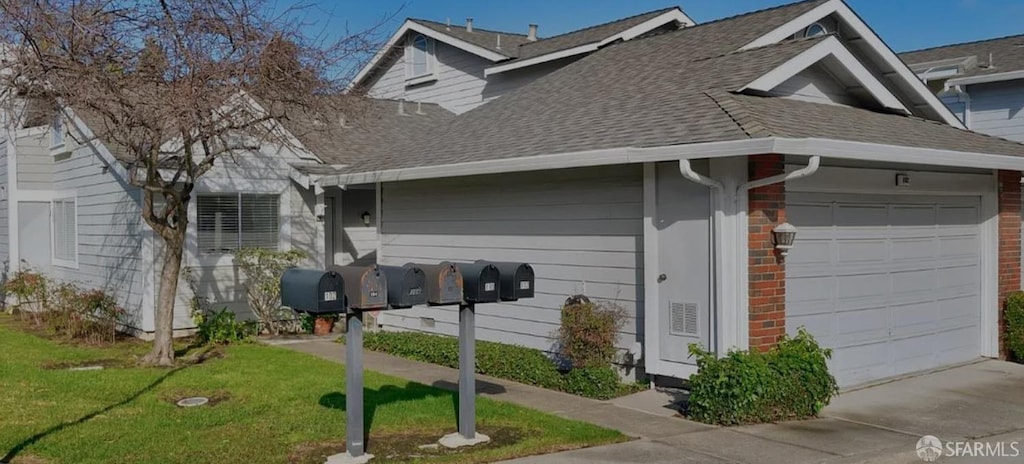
x: 489, y: 287
x: 524, y: 285
x: 330, y: 296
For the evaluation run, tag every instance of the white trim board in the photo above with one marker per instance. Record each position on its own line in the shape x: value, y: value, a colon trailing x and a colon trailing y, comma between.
x: 676, y: 15
x: 984, y: 79
x: 411, y: 25
x: 829, y: 148
x: 868, y: 36
x: 830, y: 47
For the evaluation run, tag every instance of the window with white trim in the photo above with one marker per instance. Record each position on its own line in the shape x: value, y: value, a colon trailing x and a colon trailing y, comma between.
x: 228, y: 222
x: 64, y: 219
x: 57, y: 130
x: 419, y: 57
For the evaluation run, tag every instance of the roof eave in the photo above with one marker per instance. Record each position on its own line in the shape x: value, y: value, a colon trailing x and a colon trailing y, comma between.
x: 829, y: 148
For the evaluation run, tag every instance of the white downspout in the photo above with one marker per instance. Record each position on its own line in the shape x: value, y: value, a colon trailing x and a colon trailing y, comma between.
x: 718, y: 266
x: 718, y: 196
x: 811, y: 168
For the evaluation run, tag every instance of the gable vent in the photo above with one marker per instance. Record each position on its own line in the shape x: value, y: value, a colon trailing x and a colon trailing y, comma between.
x: 684, y: 318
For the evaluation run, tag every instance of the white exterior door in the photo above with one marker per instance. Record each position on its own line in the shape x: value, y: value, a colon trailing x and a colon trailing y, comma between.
x: 892, y: 284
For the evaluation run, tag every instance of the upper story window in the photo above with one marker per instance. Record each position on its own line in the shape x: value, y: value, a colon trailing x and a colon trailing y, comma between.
x: 57, y: 130
x: 419, y: 57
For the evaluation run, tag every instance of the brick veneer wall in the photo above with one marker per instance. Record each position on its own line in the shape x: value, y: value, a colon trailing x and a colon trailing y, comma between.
x: 1009, y: 243
x: 766, y: 208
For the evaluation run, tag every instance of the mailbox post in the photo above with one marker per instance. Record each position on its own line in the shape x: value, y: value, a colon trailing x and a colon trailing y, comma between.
x: 366, y: 289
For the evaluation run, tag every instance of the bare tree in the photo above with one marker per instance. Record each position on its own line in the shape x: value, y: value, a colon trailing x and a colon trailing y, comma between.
x: 176, y: 86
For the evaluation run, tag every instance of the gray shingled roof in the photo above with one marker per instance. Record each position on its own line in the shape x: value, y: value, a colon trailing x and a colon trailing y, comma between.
x: 1007, y: 54
x: 586, y: 36
x: 781, y: 117
x: 644, y: 92
x: 371, y: 131
x: 484, y: 38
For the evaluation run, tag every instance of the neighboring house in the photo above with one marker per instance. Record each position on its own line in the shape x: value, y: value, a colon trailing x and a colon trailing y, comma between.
x: 981, y: 82
x: 646, y: 163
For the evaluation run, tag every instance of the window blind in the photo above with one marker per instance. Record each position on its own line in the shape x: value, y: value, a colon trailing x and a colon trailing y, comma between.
x: 227, y: 222
x: 65, y: 243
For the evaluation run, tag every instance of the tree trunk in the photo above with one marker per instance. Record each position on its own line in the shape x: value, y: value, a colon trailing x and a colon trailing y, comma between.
x: 163, y: 343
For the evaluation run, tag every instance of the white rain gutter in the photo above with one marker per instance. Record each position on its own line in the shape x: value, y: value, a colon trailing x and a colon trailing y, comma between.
x: 811, y: 168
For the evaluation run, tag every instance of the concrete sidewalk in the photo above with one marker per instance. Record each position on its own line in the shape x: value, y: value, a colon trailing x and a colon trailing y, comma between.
x: 879, y: 425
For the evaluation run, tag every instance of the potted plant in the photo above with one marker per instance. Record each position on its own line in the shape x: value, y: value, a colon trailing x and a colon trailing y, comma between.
x: 324, y: 324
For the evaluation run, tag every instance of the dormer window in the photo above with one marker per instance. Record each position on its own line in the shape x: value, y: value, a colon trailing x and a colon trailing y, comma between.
x: 815, y: 30
x: 57, y: 131
x: 419, y: 58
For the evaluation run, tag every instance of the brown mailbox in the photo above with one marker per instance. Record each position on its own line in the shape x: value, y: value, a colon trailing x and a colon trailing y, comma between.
x: 366, y: 288
x: 444, y: 283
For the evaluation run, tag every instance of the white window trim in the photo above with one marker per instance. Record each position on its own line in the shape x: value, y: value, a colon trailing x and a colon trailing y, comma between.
x: 58, y: 148
x: 54, y: 260
x: 431, y: 74
x: 193, y: 257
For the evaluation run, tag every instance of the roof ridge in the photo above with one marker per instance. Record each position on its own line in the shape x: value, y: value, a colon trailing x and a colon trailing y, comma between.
x: 474, y: 27
x: 974, y: 42
x: 661, y: 10
x: 729, y: 18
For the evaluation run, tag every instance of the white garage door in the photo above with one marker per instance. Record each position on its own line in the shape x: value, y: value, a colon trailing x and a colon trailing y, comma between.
x: 893, y: 285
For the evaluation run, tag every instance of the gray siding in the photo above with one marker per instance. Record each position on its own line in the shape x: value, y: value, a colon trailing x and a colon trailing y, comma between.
x: 580, y: 229
x: 5, y: 236
x: 110, y: 230
x: 222, y: 282
x: 815, y: 85
x: 956, y: 103
x: 996, y: 109
x: 35, y: 164
x: 459, y: 84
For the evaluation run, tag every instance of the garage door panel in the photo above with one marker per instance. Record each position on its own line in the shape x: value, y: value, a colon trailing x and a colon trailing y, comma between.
x: 912, y: 215
x: 858, y: 251
x: 859, y: 215
x: 893, y: 288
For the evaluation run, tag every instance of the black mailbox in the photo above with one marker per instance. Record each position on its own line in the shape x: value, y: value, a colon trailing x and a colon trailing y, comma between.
x: 313, y: 291
x: 444, y: 283
x: 481, y: 282
x: 406, y: 286
x: 517, y: 280
x: 365, y: 286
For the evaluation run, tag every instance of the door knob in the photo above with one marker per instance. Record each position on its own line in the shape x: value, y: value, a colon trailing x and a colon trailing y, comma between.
x: 662, y: 278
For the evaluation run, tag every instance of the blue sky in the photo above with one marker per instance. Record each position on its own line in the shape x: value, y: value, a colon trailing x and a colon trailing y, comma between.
x: 903, y: 24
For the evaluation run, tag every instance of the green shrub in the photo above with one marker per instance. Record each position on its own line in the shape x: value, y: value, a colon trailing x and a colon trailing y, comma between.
x: 593, y: 382
x: 511, y: 362
x: 221, y: 328
x: 790, y: 381
x: 587, y: 335
x: 1015, y: 325
x: 263, y: 270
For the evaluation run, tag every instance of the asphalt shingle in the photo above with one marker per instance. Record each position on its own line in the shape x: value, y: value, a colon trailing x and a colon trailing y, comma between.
x: 993, y: 56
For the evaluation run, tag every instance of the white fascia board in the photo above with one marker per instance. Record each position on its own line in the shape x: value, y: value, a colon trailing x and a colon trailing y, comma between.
x: 518, y: 64
x: 840, y: 8
x: 830, y: 46
x: 675, y: 15
x: 1000, y: 77
x: 410, y: 25
x: 829, y: 148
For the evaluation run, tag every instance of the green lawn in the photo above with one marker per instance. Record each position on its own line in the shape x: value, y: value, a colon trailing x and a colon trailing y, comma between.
x: 276, y: 406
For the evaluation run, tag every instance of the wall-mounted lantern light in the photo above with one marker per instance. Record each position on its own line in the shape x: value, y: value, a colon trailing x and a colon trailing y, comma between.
x: 366, y: 218
x: 784, y: 235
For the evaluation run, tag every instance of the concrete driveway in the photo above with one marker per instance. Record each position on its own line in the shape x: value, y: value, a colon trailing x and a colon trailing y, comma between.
x: 981, y: 402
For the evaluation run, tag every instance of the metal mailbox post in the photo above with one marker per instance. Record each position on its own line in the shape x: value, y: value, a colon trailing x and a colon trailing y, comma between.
x: 366, y: 289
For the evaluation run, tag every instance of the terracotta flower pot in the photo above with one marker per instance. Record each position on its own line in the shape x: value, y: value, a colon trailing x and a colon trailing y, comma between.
x: 323, y: 326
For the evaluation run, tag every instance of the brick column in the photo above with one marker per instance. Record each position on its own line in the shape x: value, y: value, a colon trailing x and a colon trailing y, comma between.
x: 1009, y: 244
x: 766, y: 208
